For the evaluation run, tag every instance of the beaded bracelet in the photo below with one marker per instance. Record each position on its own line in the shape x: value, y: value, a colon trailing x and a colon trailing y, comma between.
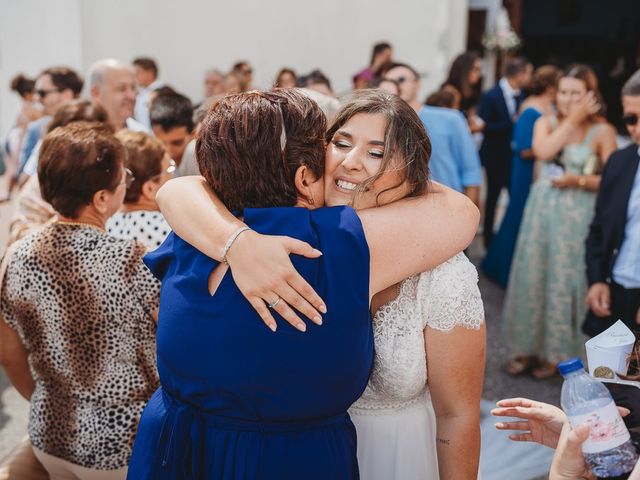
x: 229, y: 243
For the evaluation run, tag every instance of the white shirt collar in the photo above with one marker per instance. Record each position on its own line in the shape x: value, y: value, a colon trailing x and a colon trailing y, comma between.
x: 157, y: 83
x: 506, y: 87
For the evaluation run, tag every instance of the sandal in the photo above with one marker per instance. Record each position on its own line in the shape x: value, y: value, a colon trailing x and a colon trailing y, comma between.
x: 519, y: 365
x: 545, y: 371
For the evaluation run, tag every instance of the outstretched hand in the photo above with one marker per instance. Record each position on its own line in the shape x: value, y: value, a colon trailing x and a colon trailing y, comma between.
x: 541, y: 422
x: 264, y: 274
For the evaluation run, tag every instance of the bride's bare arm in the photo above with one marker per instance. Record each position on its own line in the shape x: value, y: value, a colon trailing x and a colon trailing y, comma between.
x: 455, y: 365
x: 414, y: 235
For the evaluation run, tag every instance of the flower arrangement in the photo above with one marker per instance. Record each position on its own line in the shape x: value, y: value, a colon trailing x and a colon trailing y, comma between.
x: 502, y: 38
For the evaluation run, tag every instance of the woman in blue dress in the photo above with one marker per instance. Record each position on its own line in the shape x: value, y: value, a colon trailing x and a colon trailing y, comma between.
x: 238, y: 401
x: 497, y: 262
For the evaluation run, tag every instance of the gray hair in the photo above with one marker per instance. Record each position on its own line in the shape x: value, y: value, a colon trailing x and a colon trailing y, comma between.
x: 632, y: 86
x: 98, y: 71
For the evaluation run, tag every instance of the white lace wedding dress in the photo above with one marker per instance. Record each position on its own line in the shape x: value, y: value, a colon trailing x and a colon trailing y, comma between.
x: 394, y: 418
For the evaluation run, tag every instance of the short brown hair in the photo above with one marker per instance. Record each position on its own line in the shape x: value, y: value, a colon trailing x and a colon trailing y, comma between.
x: 405, y: 138
x: 239, y: 147
x: 147, y: 64
x: 77, y: 110
x: 543, y: 78
x: 143, y: 157
x: 65, y: 78
x: 76, y: 161
x: 442, y: 98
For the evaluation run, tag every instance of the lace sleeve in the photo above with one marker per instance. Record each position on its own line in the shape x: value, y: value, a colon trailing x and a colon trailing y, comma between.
x: 449, y: 296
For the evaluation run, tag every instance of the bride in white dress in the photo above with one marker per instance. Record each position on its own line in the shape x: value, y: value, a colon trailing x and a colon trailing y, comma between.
x: 435, y: 325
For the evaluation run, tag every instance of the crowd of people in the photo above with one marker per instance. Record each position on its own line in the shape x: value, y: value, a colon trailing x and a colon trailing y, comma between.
x: 142, y: 358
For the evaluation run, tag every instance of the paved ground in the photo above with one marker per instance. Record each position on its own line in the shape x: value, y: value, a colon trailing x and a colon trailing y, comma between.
x: 13, y: 409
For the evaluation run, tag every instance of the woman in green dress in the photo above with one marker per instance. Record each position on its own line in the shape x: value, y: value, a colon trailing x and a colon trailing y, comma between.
x: 545, y: 301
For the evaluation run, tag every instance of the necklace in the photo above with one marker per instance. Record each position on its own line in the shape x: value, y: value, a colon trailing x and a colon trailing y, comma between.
x: 80, y: 224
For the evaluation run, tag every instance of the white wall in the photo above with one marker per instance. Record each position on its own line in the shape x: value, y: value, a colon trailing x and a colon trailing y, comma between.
x: 187, y: 37
x: 35, y: 34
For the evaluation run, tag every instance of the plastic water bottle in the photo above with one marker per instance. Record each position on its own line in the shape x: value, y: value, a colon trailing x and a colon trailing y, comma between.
x: 608, y: 450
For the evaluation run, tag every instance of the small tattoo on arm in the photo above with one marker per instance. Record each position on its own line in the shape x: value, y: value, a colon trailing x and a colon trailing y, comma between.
x: 444, y: 441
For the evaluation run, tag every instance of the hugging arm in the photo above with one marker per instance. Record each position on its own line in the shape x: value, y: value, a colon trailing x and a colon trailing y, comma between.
x: 405, y: 238
x: 415, y: 235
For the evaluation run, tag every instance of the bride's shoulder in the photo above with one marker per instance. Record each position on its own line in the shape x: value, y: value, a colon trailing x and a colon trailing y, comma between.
x: 449, y: 295
x: 458, y: 268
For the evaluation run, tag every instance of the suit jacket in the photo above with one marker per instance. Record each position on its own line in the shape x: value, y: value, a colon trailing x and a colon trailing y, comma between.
x: 496, y: 146
x: 606, y: 232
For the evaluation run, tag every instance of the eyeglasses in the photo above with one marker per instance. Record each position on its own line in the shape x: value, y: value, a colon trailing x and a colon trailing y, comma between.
x: 44, y: 93
x: 129, y: 179
x: 630, y: 120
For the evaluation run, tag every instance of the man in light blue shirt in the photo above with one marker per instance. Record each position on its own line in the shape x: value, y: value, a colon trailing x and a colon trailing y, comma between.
x: 454, y: 159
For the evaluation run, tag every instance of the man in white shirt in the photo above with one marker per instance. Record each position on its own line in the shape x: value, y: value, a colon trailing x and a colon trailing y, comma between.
x: 112, y: 85
x: 146, y: 71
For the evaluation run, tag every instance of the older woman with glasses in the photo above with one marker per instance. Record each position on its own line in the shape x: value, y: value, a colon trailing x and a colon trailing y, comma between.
x: 77, y: 313
x: 140, y: 218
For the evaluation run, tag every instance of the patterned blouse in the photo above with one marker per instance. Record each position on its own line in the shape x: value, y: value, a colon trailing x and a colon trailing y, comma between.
x: 148, y: 228
x: 82, y: 303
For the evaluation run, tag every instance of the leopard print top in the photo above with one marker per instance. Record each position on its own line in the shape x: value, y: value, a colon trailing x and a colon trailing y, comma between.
x: 82, y: 303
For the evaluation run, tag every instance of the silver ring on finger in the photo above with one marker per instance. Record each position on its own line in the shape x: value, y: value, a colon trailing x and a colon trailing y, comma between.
x: 275, y: 303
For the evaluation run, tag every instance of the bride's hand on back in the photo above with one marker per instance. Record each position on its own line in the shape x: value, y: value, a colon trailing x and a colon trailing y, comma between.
x: 264, y: 274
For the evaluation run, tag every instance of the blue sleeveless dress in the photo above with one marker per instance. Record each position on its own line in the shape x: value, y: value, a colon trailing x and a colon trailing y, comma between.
x: 497, y: 263
x: 238, y: 401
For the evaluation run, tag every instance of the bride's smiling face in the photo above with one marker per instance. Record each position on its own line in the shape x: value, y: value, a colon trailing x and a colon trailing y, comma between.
x: 354, y: 155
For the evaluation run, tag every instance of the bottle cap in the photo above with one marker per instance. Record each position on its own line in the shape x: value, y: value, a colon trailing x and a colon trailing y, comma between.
x: 570, y: 366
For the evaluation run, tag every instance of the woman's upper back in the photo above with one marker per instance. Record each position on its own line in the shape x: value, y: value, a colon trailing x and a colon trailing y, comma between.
x: 82, y: 303
x: 215, y: 353
x: 442, y: 299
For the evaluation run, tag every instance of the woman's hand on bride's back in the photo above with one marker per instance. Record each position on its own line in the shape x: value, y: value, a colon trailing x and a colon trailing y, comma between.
x: 264, y: 274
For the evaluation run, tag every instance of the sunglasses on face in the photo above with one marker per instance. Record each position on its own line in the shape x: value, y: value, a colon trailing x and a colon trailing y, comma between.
x: 630, y: 120
x: 44, y: 93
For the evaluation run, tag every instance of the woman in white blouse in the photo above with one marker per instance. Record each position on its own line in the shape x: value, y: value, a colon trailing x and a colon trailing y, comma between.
x: 140, y: 218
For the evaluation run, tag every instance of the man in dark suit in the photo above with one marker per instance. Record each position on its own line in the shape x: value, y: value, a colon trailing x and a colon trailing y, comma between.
x: 498, y: 108
x: 613, y: 244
